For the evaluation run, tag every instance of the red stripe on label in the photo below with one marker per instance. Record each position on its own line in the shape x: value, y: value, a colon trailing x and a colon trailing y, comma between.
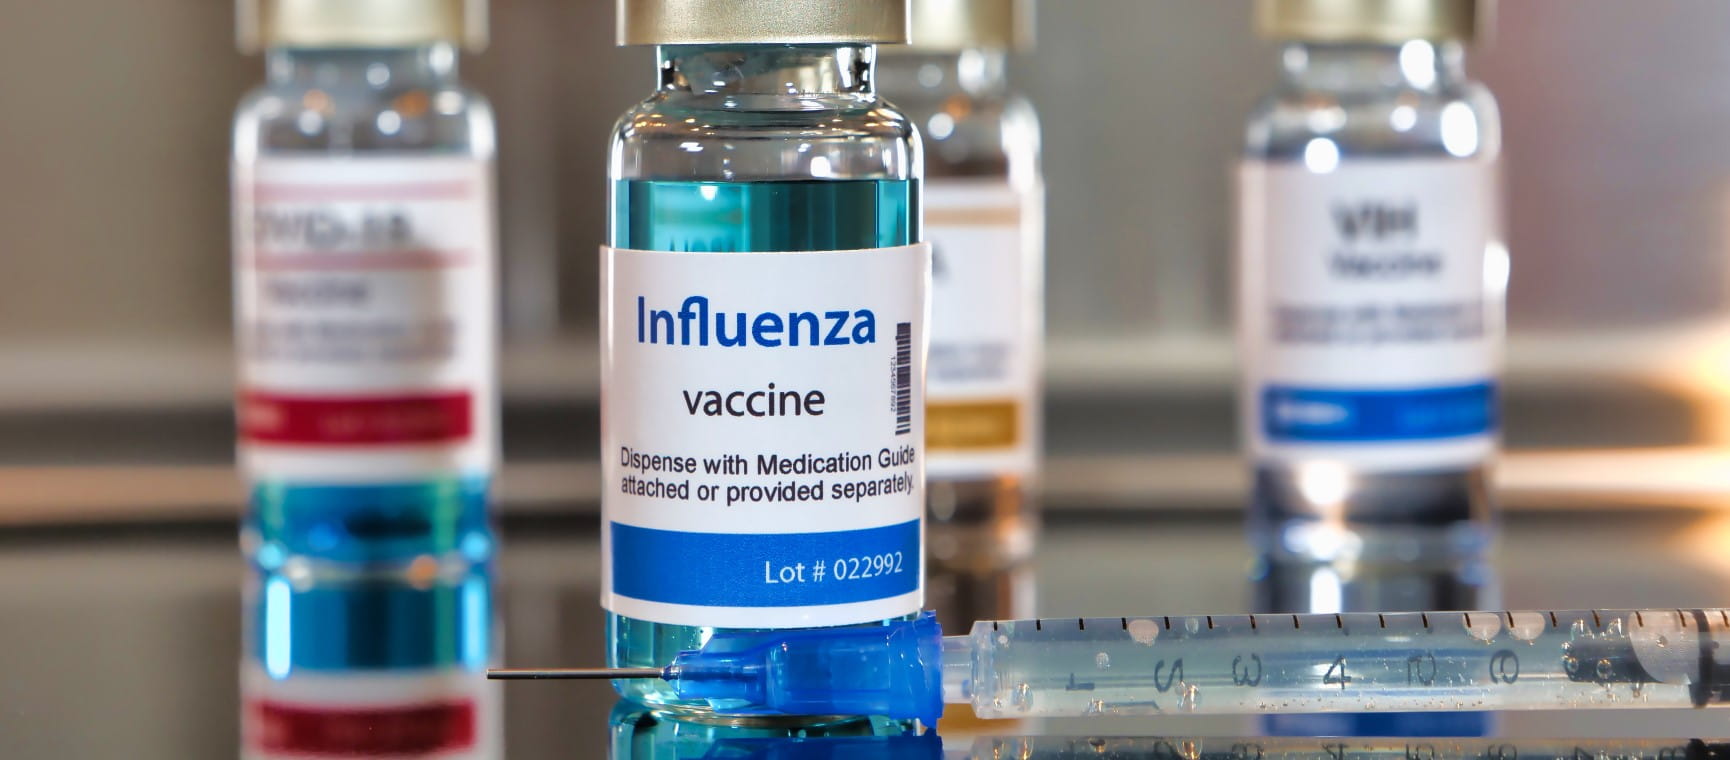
x: 454, y: 190
x: 355, y: 420
x: 364, y: 732
x: 359, y: 260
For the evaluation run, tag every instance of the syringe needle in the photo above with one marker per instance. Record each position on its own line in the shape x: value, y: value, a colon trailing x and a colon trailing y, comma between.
x: 537, y: 674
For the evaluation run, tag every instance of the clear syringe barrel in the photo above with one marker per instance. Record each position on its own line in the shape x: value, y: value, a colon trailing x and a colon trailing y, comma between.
x: 1353, y: 662
x: 1338, y: 748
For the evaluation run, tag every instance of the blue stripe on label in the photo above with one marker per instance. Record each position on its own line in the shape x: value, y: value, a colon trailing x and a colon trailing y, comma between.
x: 765, y: 569
x: 1316, y: 415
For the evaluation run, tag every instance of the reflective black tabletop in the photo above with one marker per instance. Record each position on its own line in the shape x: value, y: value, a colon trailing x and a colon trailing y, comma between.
x: 126, y: 640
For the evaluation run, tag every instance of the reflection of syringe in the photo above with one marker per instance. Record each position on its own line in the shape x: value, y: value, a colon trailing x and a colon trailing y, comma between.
x: 1354, y: 662
x: 1269, y: 748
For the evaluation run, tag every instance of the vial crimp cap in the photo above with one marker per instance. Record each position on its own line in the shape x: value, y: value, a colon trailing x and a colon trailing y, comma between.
x: 1372, y: 21
x: 359, y: 23
x: 953, y: 25
x: 770, y: 22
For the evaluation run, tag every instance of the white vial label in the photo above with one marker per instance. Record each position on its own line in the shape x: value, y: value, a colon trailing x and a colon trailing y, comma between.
x: 364, y: 294
x: 763, y: 436
x: 1371, y: 311
x: 452, y: 714
x: 987, y: 277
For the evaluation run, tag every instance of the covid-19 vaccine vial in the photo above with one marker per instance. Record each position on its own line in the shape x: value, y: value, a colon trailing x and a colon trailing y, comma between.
x: 984, y: 218
x: 365, y: 325
x: 1371, y: 280
x: 763, y: 332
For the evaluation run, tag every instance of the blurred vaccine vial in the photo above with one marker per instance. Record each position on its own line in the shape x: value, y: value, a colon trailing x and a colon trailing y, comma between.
x: 984, y: 217
x: 763, y: 326
x: 366, y: 402
x: 364, y: 289
x: 1371, y: 281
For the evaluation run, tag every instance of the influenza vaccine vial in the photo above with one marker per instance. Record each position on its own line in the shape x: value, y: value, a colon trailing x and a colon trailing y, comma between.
x: 763, y: 332
x: 1371, y: 282
x: 984, y: 218
x: 365, y: 331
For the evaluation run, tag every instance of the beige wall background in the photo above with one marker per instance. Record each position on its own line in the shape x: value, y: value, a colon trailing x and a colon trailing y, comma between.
x: 113, y: 156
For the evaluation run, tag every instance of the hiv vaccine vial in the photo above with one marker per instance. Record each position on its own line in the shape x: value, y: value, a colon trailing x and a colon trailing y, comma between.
x: 364, y: 262
x: 1371, y: 278
x: 763, y: 332
x: 984, y: 218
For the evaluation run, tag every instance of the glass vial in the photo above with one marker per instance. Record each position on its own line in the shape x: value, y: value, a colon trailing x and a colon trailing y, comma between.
x: 1371, y: 280
x: 763, y: 332
x: 365, y: 319
x: 984, y: 217
x: 1371, y: 276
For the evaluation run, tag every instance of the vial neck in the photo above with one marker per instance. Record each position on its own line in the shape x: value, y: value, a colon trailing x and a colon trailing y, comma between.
x: 977, y: 72
x: 1413, y: 65
x: 340, y: 69
x: 772, y: 71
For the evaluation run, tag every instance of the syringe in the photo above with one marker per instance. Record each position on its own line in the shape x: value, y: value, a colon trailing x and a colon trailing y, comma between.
x: 1212, y: 664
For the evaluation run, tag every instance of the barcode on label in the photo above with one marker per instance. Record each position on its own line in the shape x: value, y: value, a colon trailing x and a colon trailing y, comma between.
x: 903, y: 378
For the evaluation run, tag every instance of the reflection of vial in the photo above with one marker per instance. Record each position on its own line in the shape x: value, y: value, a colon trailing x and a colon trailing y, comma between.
x: 984, y: 218
x: 641, y: 733
x: 1371, y: 282
x: 364, y: 667
x: 364, y: 279
x: 763, y: 326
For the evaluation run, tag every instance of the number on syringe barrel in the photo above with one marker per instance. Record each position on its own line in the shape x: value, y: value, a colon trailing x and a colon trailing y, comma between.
x: 1246, y: 670
x: 1337, y: 673
x: 1504, y: 667
x: 1421, y: 669
x: 1174, y: 675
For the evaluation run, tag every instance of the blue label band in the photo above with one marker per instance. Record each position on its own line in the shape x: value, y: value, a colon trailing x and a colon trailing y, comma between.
x: 765, y: 569
x: 1317, y: 415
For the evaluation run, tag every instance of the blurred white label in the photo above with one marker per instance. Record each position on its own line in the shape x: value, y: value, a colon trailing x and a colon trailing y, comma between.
x: 982, y: 387
x: 1371, y: 302
x: 364, y: 303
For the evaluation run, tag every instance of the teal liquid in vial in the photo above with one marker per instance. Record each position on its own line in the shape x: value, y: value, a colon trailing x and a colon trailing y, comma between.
x: 774, y: 216
x: 742, y: 217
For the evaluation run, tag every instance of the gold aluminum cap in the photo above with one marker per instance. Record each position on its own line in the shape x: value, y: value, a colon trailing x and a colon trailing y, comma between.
x: 708, y: 22
x: 1389, y: 21
x: 360, y: 23
x: 963, y: 24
